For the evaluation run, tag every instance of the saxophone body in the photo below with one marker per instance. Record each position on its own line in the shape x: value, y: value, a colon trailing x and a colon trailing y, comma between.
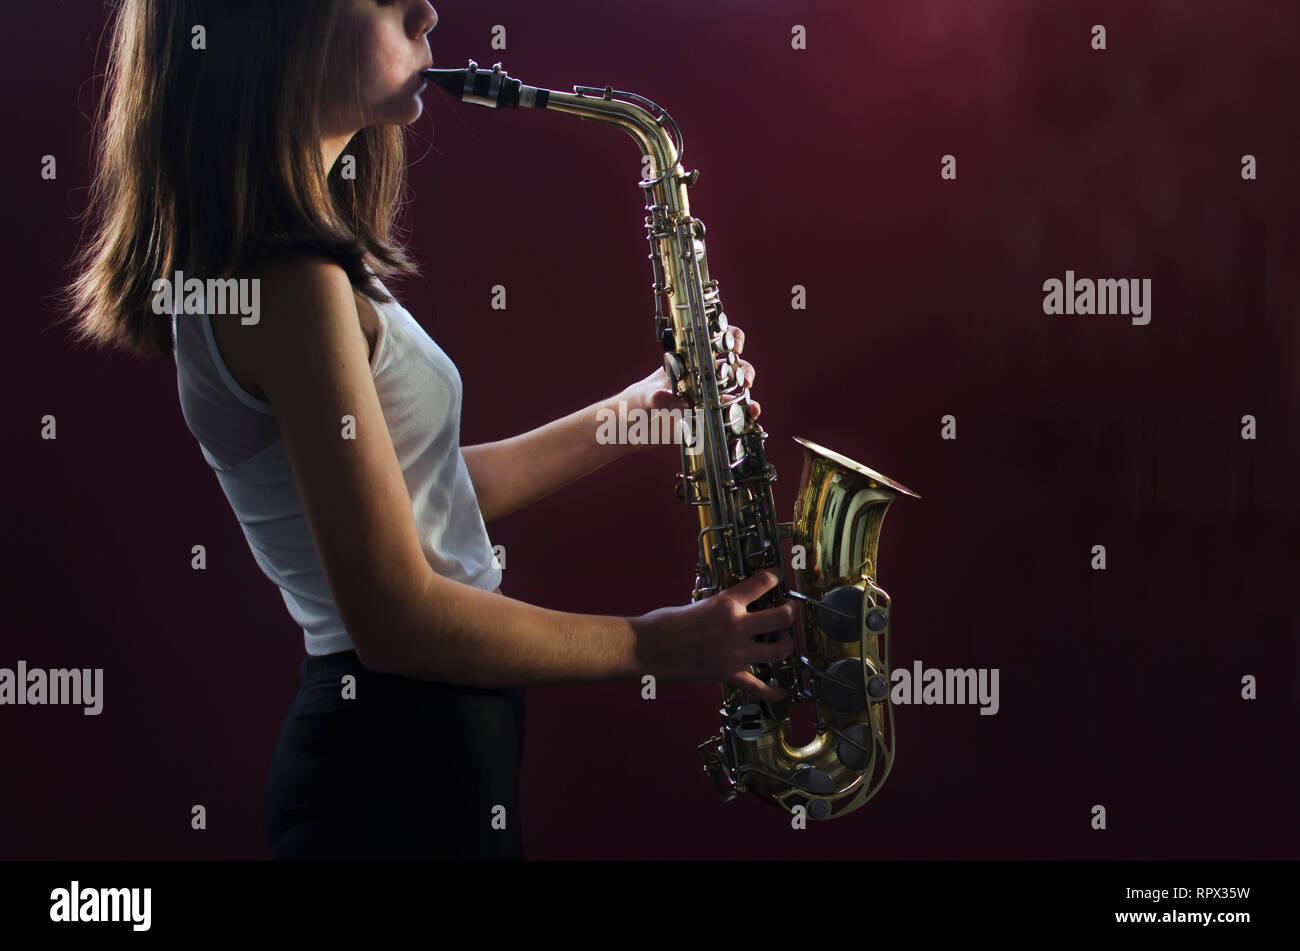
x: 842, y: 666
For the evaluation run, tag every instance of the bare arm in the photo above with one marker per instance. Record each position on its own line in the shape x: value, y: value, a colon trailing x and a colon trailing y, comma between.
x: 491, y: 640
x: 513, y: 473
x: 309, y: 357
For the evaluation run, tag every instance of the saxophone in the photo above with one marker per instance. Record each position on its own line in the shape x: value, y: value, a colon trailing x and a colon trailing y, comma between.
x: 843, y: 670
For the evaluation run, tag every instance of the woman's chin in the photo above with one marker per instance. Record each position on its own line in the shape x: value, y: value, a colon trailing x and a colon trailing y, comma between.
x: 414, y: 109
x: 400, y: 110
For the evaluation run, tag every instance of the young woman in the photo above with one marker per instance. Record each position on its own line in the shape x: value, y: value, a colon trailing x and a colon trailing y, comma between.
x: 332, y: 422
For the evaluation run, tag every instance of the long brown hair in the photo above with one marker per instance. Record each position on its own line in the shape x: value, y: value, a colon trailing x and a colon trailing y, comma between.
x: 208, y: 159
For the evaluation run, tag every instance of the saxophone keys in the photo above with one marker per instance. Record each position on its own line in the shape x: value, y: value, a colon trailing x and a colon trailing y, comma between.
x: 757, y: 551
x: 816, y: 781
x: 844, y: 686
x: 877, y: 687
x: 673, y: 368
x: 738, y: 415
x: 839, y: 614
x: 747, y: 721
x: 713, y: 752
x: 729, y: 360
x: 850, y: 684
x: 855, y: 746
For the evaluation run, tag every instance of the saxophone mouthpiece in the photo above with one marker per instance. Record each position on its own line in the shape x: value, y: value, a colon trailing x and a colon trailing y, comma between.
x: 494, y: 89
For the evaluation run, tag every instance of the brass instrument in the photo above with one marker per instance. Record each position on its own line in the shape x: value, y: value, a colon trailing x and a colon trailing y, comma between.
x: 844, y: 669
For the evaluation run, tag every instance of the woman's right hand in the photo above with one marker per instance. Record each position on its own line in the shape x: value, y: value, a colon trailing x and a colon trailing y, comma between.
x: 713, y: 639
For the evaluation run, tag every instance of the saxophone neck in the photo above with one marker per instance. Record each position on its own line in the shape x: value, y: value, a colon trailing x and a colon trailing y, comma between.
x: 647, y: 123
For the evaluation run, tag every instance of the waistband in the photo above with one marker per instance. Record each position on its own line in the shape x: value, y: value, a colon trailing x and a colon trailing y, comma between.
x: 317, y: 667
x: 314, y: 665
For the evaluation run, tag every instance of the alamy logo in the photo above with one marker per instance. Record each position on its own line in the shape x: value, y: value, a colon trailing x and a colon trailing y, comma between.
x: 102, y: 904
x: 641, y: 427
x: 946, y: 685
x: 214, y: 297
x: 1102, y: 297
x: 60, y: 685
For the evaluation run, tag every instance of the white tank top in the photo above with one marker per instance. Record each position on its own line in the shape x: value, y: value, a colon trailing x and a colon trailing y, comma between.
x: 420, y: 391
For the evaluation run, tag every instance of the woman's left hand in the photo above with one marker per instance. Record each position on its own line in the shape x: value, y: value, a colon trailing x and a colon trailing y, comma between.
x: 655, y: 393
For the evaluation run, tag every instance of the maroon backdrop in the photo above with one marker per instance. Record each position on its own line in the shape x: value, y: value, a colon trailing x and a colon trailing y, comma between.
x: 819, y: 167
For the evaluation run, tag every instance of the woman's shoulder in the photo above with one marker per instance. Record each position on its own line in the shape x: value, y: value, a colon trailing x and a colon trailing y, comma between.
x: 297, y: 291
x: 293, y: 269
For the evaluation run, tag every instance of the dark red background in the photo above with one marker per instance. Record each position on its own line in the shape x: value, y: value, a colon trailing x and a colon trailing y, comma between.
x: 818, y: 167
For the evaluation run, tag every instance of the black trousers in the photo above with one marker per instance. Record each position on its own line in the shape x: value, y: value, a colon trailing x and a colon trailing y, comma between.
x: 392, y: 767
